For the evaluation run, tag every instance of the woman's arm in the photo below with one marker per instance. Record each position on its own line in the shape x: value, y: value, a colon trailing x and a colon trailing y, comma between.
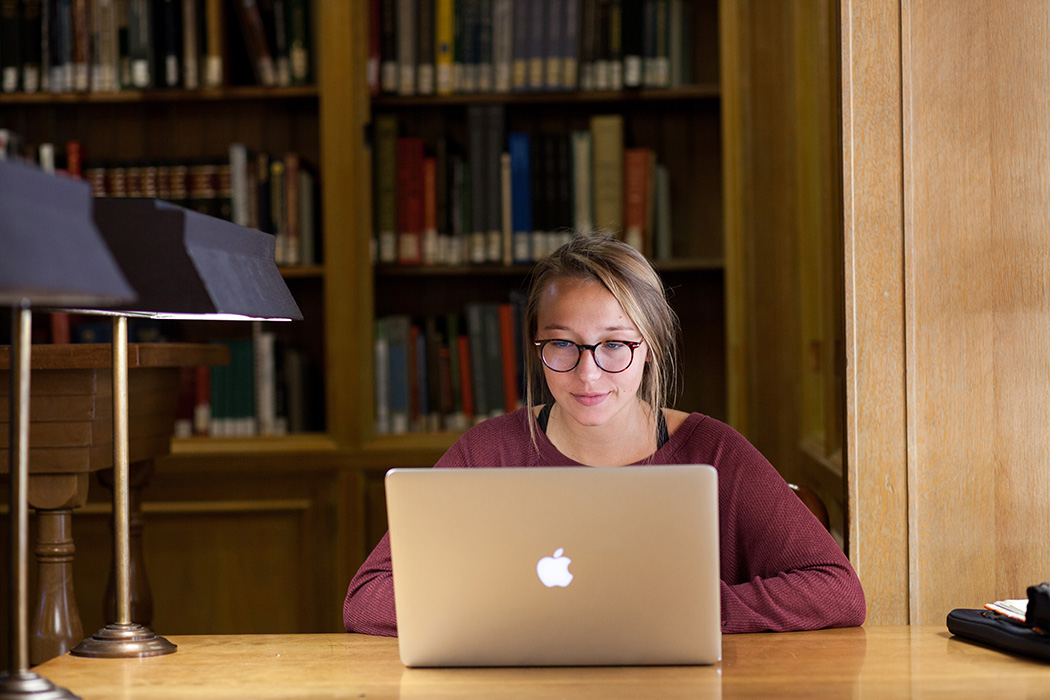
x: 369, y: 604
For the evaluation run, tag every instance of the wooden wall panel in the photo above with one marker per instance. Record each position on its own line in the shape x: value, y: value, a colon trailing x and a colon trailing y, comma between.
x: 977, y: 126
x: 874, y: 305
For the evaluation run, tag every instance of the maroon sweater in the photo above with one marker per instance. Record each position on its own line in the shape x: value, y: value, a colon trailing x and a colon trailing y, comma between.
x: 780, y: 568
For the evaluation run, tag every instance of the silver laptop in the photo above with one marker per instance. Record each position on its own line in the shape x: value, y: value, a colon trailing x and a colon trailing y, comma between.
x: 567, y: 566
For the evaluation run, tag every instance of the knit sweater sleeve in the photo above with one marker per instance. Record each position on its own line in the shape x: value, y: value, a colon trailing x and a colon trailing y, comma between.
x: 780, y: 569
x: 369, y: 604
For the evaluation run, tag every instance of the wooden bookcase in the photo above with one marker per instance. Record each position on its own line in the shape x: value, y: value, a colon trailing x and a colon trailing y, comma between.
x: 319, y: 495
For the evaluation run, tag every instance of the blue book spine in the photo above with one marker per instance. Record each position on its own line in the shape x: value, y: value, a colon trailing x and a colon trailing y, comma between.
x: 520, y: 196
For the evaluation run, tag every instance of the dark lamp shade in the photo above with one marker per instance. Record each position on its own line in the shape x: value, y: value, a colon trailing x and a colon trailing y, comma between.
x: 185, y: 264
x: 51, y: 253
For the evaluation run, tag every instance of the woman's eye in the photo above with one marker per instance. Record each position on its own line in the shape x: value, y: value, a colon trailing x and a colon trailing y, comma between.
x: 613, y: 344
x: 561, y: 344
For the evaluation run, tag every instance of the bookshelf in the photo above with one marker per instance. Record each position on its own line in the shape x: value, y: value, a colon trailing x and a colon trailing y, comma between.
x: 683, y: 127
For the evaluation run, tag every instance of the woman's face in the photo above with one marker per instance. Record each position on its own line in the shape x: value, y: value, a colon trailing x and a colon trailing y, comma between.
x: 587, y: 313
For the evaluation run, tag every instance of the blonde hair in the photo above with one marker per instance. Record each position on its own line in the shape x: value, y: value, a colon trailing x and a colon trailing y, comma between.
x: 628, y: 276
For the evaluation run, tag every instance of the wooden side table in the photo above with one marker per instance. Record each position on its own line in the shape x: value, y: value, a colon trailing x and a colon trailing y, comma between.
x: 71, y: 436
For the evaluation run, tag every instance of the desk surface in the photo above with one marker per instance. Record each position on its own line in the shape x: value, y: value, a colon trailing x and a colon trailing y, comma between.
x: 877, y: 662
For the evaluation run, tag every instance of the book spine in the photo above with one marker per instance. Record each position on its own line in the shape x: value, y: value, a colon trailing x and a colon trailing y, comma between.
x: 406, y: 46
x: 410, y: 200
x: 81, y: 46
x: 518, y: 144
x: 282, y: 60
x: 662, y: 228
x: 191, y: 44
x: 554, y: 40
x: 522, y: 34
x: 31, y: 44
x: 538, y: 28
x: 636, y: 205
x: 291, y: 209
x: 615, y: 45
x: 485, y: 56
x: 398, y: 339
x: 509, y: 357
x: 386, y: 187
x: 307, y: 217
x: 299, y: 40
x: 493, y: 150
x: 167, y: 27
x: 10, y: 46
x: 493, y: 384
x: 502, y: 44
x: 582, y: 197
x: 570, y: 46
x: 466, y: 375
x: 632, y: 42
x: 478, y: 361
x: 249, y: 17
x: 214, y: 31
x: 444, y: 31
x: 381, y: 359
x: 140, y: 24
x: 430, y: 229
x: 478, y: 221
x: 388, y: 49
x: 587, y: 43
x: 425, y: 53
x: 107, y: 65
x: 607, y: 172
x: 506, y: 215
x: 265, y: 371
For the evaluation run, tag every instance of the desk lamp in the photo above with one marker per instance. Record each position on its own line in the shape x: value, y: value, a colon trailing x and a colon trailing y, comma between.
x: 51, y: 254
x: 190, y: 266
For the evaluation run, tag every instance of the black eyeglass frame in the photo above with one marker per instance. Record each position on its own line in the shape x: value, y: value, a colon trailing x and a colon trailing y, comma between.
x: 580, y: 347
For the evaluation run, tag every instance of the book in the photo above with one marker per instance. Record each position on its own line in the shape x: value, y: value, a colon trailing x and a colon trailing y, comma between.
x: 582, y: 198
x: 10, y: 45
x: 308, y: 250
x: 457, y: 419
x: 520, y: 46
x: 410, y: 200
x: 239, y: 204
x: 80, y: 32
x: 518, y: 145
x: 493, y: 150
x: 381, y: 373
x: 59, y: 23
x: 105, y: 62
x: 637, y: 198
x: 658, y: 33
x: 570, y: 46
x: 253, y: 31
x: 632, y: 42
x: 436, y: 399
x: 397, y: 333
x: 607, y: 172
x: 299, y: 50
x: 444, y: 32
x: 483, y: 45
x: 406, y: 46
x: 280, y: 42
x: 479, y: 359
x: 467, y: 33
x: 502, y: 44
x: 614, y: 46
x: 587, y: 46
x: 510, y: 357
x: 386, y: 200
x: 388, y: 50
x: 493, y: 365
x: 466, y: 375
x: 425, y: 53
x: 538, y: 28
x: 430, y: 230
x: 214, y: 31
x: 167, y: 42
x: 292, y: 229
x: 192, y: 44
x: 477, y: 126
x: 140, y: 43
x: 265, y: 377
x: 552, y: 79
x: 31, y: 45
x: 662, y: 227
x: 506, y: 226
x: 1014, y: 608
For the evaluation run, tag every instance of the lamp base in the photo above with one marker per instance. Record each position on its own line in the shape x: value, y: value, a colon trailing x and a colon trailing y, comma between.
x: 119, y: 640
x: 27, y: 685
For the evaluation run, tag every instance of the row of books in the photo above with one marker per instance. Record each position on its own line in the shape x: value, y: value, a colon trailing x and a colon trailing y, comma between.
x: 513, y: 197
x: 427, y: 47
x: 268, y: 388
x: 275, y: 194
x: 110, y: 45
x: 448, y: 372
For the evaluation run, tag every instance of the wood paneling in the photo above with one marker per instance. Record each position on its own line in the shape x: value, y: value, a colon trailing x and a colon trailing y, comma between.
x: 874, y: 299
x: 977, y: 175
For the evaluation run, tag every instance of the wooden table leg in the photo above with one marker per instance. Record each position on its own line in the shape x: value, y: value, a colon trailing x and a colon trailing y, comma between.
x: 56, y: 625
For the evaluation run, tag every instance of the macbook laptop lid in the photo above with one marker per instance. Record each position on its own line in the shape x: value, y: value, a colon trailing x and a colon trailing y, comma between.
x: 556, y: 566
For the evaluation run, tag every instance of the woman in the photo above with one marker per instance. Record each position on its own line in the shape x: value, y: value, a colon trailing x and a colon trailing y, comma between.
x: 604, y: 337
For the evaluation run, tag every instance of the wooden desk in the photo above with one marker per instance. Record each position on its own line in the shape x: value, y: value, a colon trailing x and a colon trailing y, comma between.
x: 872, y: 662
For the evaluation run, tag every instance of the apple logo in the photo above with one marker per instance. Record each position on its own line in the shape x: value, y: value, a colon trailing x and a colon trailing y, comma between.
x: 554, y: 571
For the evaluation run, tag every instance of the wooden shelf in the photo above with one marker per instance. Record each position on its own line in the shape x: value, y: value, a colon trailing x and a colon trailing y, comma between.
x: 254, y: 445
x: 683, y: 264
x: 620, y: 97
x: 250, y: 92
x: 301, y: 271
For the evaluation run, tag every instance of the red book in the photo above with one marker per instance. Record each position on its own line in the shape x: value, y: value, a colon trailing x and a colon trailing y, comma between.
x: 430, y: 233
x: 410, y: 205
x: 74, y: 159
x: 509, y: 357
x: 638, y: 166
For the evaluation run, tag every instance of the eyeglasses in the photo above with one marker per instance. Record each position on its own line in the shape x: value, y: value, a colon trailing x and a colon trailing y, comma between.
x: 612, y: 356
